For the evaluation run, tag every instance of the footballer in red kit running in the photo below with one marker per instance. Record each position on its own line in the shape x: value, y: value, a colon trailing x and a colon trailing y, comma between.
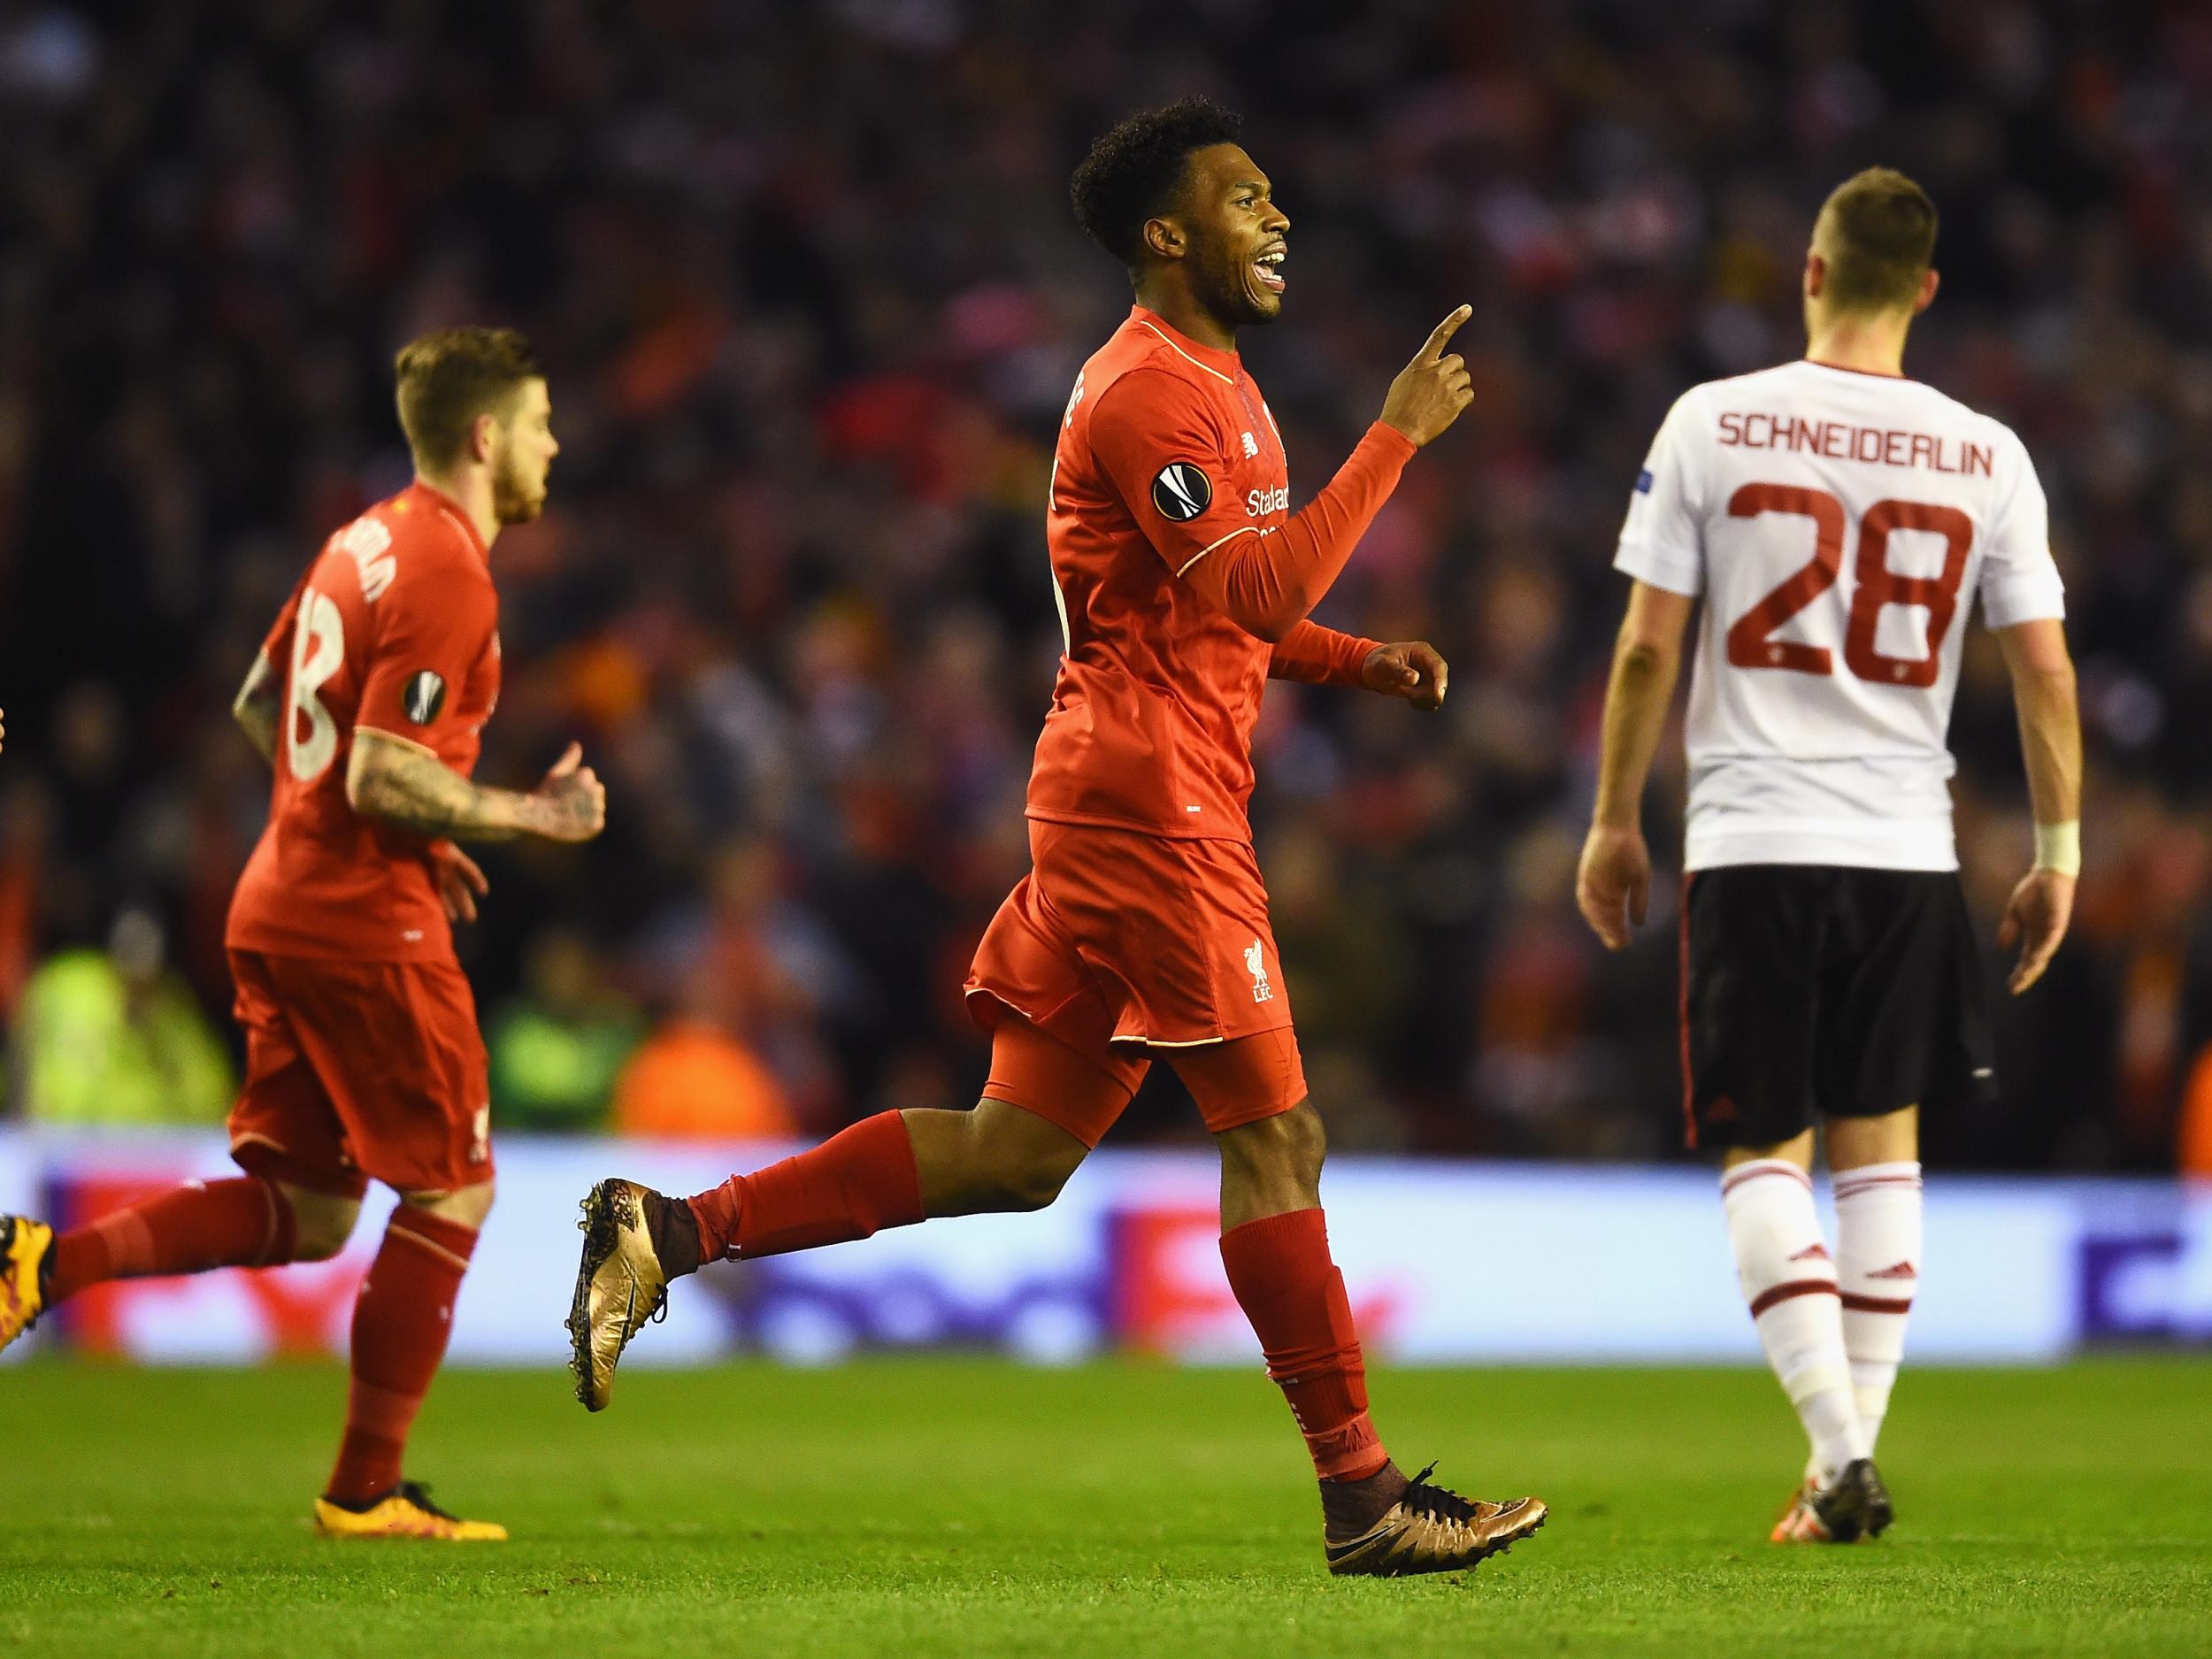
x: 1140, y: 934
x: 362, y: 1058
x: 1840, y: 521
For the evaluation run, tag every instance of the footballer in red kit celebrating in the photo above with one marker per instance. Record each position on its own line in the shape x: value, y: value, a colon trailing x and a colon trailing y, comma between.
x: 1167, y: 459
x: 363, y: 1057
x: 1183, y: 582
x: 1167, y: 456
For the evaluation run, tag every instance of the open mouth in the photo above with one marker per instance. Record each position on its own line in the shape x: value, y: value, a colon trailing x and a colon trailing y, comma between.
x: 1268, y: 270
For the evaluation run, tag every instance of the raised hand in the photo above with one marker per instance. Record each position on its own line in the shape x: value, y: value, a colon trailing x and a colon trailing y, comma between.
x: 2035, y: 919
x: 572, y: 801
x: 1430, y: 391
x: 1411, y: 669
x: 1613, y: 886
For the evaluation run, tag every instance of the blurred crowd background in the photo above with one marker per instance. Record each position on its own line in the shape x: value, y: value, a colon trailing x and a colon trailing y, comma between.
x: 812, y: 298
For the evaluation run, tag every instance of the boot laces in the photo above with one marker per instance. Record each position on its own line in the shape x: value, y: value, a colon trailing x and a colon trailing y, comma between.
x: 417, y: 1492
x: 1434, y: 1502
x: 632, y: 1321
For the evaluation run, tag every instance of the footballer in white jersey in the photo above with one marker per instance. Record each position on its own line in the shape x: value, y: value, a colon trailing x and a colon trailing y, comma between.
x: 1841, y: 526
x: 1835, y: 526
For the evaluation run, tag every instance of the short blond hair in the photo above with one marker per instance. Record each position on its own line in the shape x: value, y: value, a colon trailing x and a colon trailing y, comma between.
x: 1882, y: 233
x: 447, y: 379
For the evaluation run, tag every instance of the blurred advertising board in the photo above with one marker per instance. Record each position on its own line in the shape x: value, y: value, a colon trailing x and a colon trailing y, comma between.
x: 1445, y: 1263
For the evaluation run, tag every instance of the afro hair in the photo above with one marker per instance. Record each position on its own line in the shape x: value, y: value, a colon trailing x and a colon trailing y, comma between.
x: 1133, y: 172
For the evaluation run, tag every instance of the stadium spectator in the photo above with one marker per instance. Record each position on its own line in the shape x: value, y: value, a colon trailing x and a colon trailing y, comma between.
x: 2193, y: 1154
x: 692, y: 1081
x: 558, y: 1047
x: 115, y: 1038
x: 821, y: 330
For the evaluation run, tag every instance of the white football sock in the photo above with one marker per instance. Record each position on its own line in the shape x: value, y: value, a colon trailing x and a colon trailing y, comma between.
x: 1878, y: 1268
x: 1789, y: 1281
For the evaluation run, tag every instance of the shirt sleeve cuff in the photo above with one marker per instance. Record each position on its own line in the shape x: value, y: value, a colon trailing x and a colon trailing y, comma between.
x: 1677, y: 573
x: 2023, y: 599
x: 1350, y: 670
x: 1400, y: 448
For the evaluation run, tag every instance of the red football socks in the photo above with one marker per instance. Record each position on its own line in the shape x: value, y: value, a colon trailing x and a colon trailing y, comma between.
x: 400, y: 1327
x: 859, y: 1181
x: 245, y: 1222
x: 1290, y: 1290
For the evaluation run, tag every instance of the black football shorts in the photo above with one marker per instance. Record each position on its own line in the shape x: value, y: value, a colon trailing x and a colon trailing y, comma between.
x: 1812, y: 989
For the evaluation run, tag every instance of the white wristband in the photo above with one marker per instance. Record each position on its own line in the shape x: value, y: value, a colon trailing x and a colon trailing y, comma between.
x: 2058, y: 847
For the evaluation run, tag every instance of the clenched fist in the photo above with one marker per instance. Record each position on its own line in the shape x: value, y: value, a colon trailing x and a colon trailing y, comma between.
x: 1411, y: 669
x: 1430, y: 391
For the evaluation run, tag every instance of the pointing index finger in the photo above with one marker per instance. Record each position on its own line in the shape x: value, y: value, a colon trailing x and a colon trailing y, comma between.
x: 1440, y: 336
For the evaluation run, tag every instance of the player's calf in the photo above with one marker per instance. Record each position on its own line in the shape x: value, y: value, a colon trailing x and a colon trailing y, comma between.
x: 889, y: 1171
x: 1788, y: 1281
x: 195, y: 1228
x: 401, y: 1321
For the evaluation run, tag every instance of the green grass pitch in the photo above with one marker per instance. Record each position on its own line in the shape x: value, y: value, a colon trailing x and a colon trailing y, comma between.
x: 948, y: 1506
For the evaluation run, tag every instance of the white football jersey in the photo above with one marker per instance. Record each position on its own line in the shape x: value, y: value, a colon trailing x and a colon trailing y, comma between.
x: 1838, y: 525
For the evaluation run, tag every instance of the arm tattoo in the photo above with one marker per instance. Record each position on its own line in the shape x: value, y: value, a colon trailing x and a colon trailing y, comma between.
x: 415, y: 790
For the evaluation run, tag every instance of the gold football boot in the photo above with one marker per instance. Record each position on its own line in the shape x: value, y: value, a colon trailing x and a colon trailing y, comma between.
x: 1430, y: 1529
x: 620, y: 1284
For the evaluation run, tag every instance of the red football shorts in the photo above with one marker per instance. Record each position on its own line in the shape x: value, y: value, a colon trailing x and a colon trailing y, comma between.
x: 360, y: 1069
x: 1122, y: 949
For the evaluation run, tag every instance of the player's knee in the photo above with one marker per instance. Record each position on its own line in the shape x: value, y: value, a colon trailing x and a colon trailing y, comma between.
x: 1037, y: 1186
x: 320, y: 1245
x: 1289, y: 1146
x: 467, y: 1207
x: 321, y: 1223
x: 1011, y: 1159
x: 1890, y: 1137
x: 1030, y: 1181
x: 1797, y: 1149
